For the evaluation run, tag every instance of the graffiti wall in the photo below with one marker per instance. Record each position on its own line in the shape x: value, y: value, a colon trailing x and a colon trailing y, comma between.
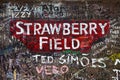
x: 60, y: 40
